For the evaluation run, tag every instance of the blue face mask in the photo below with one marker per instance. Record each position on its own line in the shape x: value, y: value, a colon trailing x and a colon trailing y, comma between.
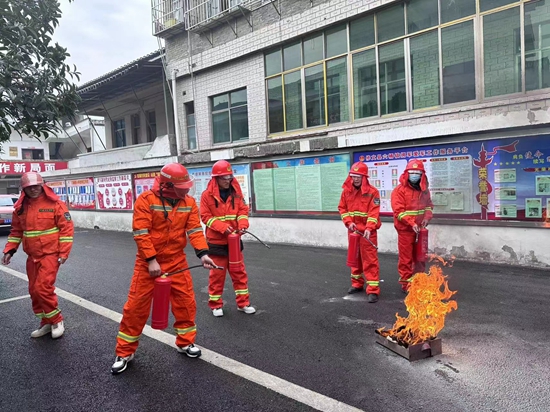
x: 414, y: 178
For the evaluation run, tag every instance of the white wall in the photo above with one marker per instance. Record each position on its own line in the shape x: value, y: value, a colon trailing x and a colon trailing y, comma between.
x: 249, y: 73
x: 27, y: 142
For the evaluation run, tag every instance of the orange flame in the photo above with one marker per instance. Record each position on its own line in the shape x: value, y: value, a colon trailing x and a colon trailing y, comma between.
x: 426, y: 307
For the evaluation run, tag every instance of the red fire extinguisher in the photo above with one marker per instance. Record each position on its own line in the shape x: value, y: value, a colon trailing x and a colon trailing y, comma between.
x: 235, y: 252
x: 161, y: 302
x: 353, y: 249
x: 421, y: 245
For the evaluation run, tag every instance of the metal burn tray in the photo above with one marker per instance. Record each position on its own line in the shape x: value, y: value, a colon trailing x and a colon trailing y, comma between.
x: 413, y: 353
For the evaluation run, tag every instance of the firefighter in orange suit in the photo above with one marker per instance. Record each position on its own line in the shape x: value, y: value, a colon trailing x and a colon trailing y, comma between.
x: 164, y: 217
x: 360, y: 208
x: 412, y: 209
x: 223, y: 210
x: 43, y: 223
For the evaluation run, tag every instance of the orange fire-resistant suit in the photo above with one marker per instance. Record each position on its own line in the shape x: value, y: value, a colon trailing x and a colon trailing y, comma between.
x: 218, y: 215
x: 362, y: 207
x: 45, y: 227
x: 160, y: 231
x: 411, y: 205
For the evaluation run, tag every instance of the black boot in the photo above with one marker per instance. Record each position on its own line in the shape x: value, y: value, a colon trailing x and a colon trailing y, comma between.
x: 354, y: 290
x: 372, y: 298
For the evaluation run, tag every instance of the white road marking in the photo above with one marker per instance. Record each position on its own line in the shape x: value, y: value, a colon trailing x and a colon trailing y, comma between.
x: 16, y: 298
x: 278, y: 385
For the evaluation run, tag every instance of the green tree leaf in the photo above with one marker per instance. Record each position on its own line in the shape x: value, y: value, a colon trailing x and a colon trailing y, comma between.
x: 36, y: 86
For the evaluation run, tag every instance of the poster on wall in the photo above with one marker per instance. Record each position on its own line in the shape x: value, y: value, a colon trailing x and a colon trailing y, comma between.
x: 81, y: 193
x: 144, y: 182
x: 114, y: 192
x: 58, y: 186
x: 203, y: 175
x: 311, y: 185
x: 500, y: 179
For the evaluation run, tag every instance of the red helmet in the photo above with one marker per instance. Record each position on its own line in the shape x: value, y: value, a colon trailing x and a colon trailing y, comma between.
x: 176, y: 174
x: 31, y: 179
x: 415, y: 164
x: 222, y: 168
x: 359, y: 168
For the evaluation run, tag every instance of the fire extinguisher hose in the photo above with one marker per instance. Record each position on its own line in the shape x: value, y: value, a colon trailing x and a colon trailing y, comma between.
x: 257, y: 238
x: 190, y: 267
x: 370, y: 241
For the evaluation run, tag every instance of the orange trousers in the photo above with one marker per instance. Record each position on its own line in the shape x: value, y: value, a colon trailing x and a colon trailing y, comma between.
x: 42, y: 273
x: 407, y: 266
x: 138, y: 308
x: 368, y: 265
x: 216, y: 281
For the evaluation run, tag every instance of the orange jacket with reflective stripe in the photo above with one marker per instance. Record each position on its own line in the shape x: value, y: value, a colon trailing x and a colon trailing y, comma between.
x: 410, y: 205
x: 360, y: 205
x: 165, y: 237
x: 44, y: 225
x: 218, y: 215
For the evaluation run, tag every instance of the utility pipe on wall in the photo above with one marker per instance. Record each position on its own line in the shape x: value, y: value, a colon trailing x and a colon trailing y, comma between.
x: 176, y: 112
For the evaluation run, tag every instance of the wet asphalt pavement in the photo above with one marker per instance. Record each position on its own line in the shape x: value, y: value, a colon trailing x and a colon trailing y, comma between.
x: 307, y: 331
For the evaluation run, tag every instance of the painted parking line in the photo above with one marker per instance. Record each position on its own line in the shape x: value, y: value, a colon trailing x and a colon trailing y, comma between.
x: 16, y: 298
x: 278, y: 385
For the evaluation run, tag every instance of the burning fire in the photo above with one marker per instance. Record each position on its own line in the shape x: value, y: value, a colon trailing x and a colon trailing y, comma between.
x: 426, y: 307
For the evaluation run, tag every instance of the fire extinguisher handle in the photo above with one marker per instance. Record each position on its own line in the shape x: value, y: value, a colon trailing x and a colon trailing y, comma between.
x: 219, y: 267
x: 363, y: 235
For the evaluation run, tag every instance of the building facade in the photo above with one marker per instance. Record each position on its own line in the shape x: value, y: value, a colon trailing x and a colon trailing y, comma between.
x: 294, y: 91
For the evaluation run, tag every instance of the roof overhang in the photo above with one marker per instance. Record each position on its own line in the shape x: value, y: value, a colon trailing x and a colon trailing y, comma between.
x: 135, y: 75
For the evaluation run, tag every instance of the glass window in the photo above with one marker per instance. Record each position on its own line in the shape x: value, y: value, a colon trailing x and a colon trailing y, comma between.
x: 361, y: 32
x: 457, y: 9
x: 152, y: 123
x: 537, y: 45
x: 337, y: 41
x: 119, y: 127
x: 485, y: 5
x: 337, y: 90
x: 365, y: 93
x: 293, y: 100
x: 220, y: 102
x: 230, y: 117
x: 239, y: 123
x: 136, y: 123
x: 273, y: 62
x: 275, y: 105
x: 425, y: 70
x: 220, y: 127
x: 292, y: 56
x: 393, y: 95
x: 238, y: 98
x: 313, y: 49
x: 315, y: 96
x: 459, y: 76
x: 502, y: 52
x: 190, y: 123
x: 390, y: 23
x: 422, y: 14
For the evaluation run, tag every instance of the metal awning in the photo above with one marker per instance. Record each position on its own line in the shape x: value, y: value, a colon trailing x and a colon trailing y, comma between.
x: 136, y: 75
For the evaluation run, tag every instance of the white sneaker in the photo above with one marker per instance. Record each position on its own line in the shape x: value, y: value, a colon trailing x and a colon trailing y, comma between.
x: 249, y: 310
x: 57, y: 330
x: 217, y: 312
x: 191, y: 350
x: 41, y: 331
x: 121, y: 364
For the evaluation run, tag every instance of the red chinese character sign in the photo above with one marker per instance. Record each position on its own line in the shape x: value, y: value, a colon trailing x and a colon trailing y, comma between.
x: 114, y: 192
x: 18, y: 168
